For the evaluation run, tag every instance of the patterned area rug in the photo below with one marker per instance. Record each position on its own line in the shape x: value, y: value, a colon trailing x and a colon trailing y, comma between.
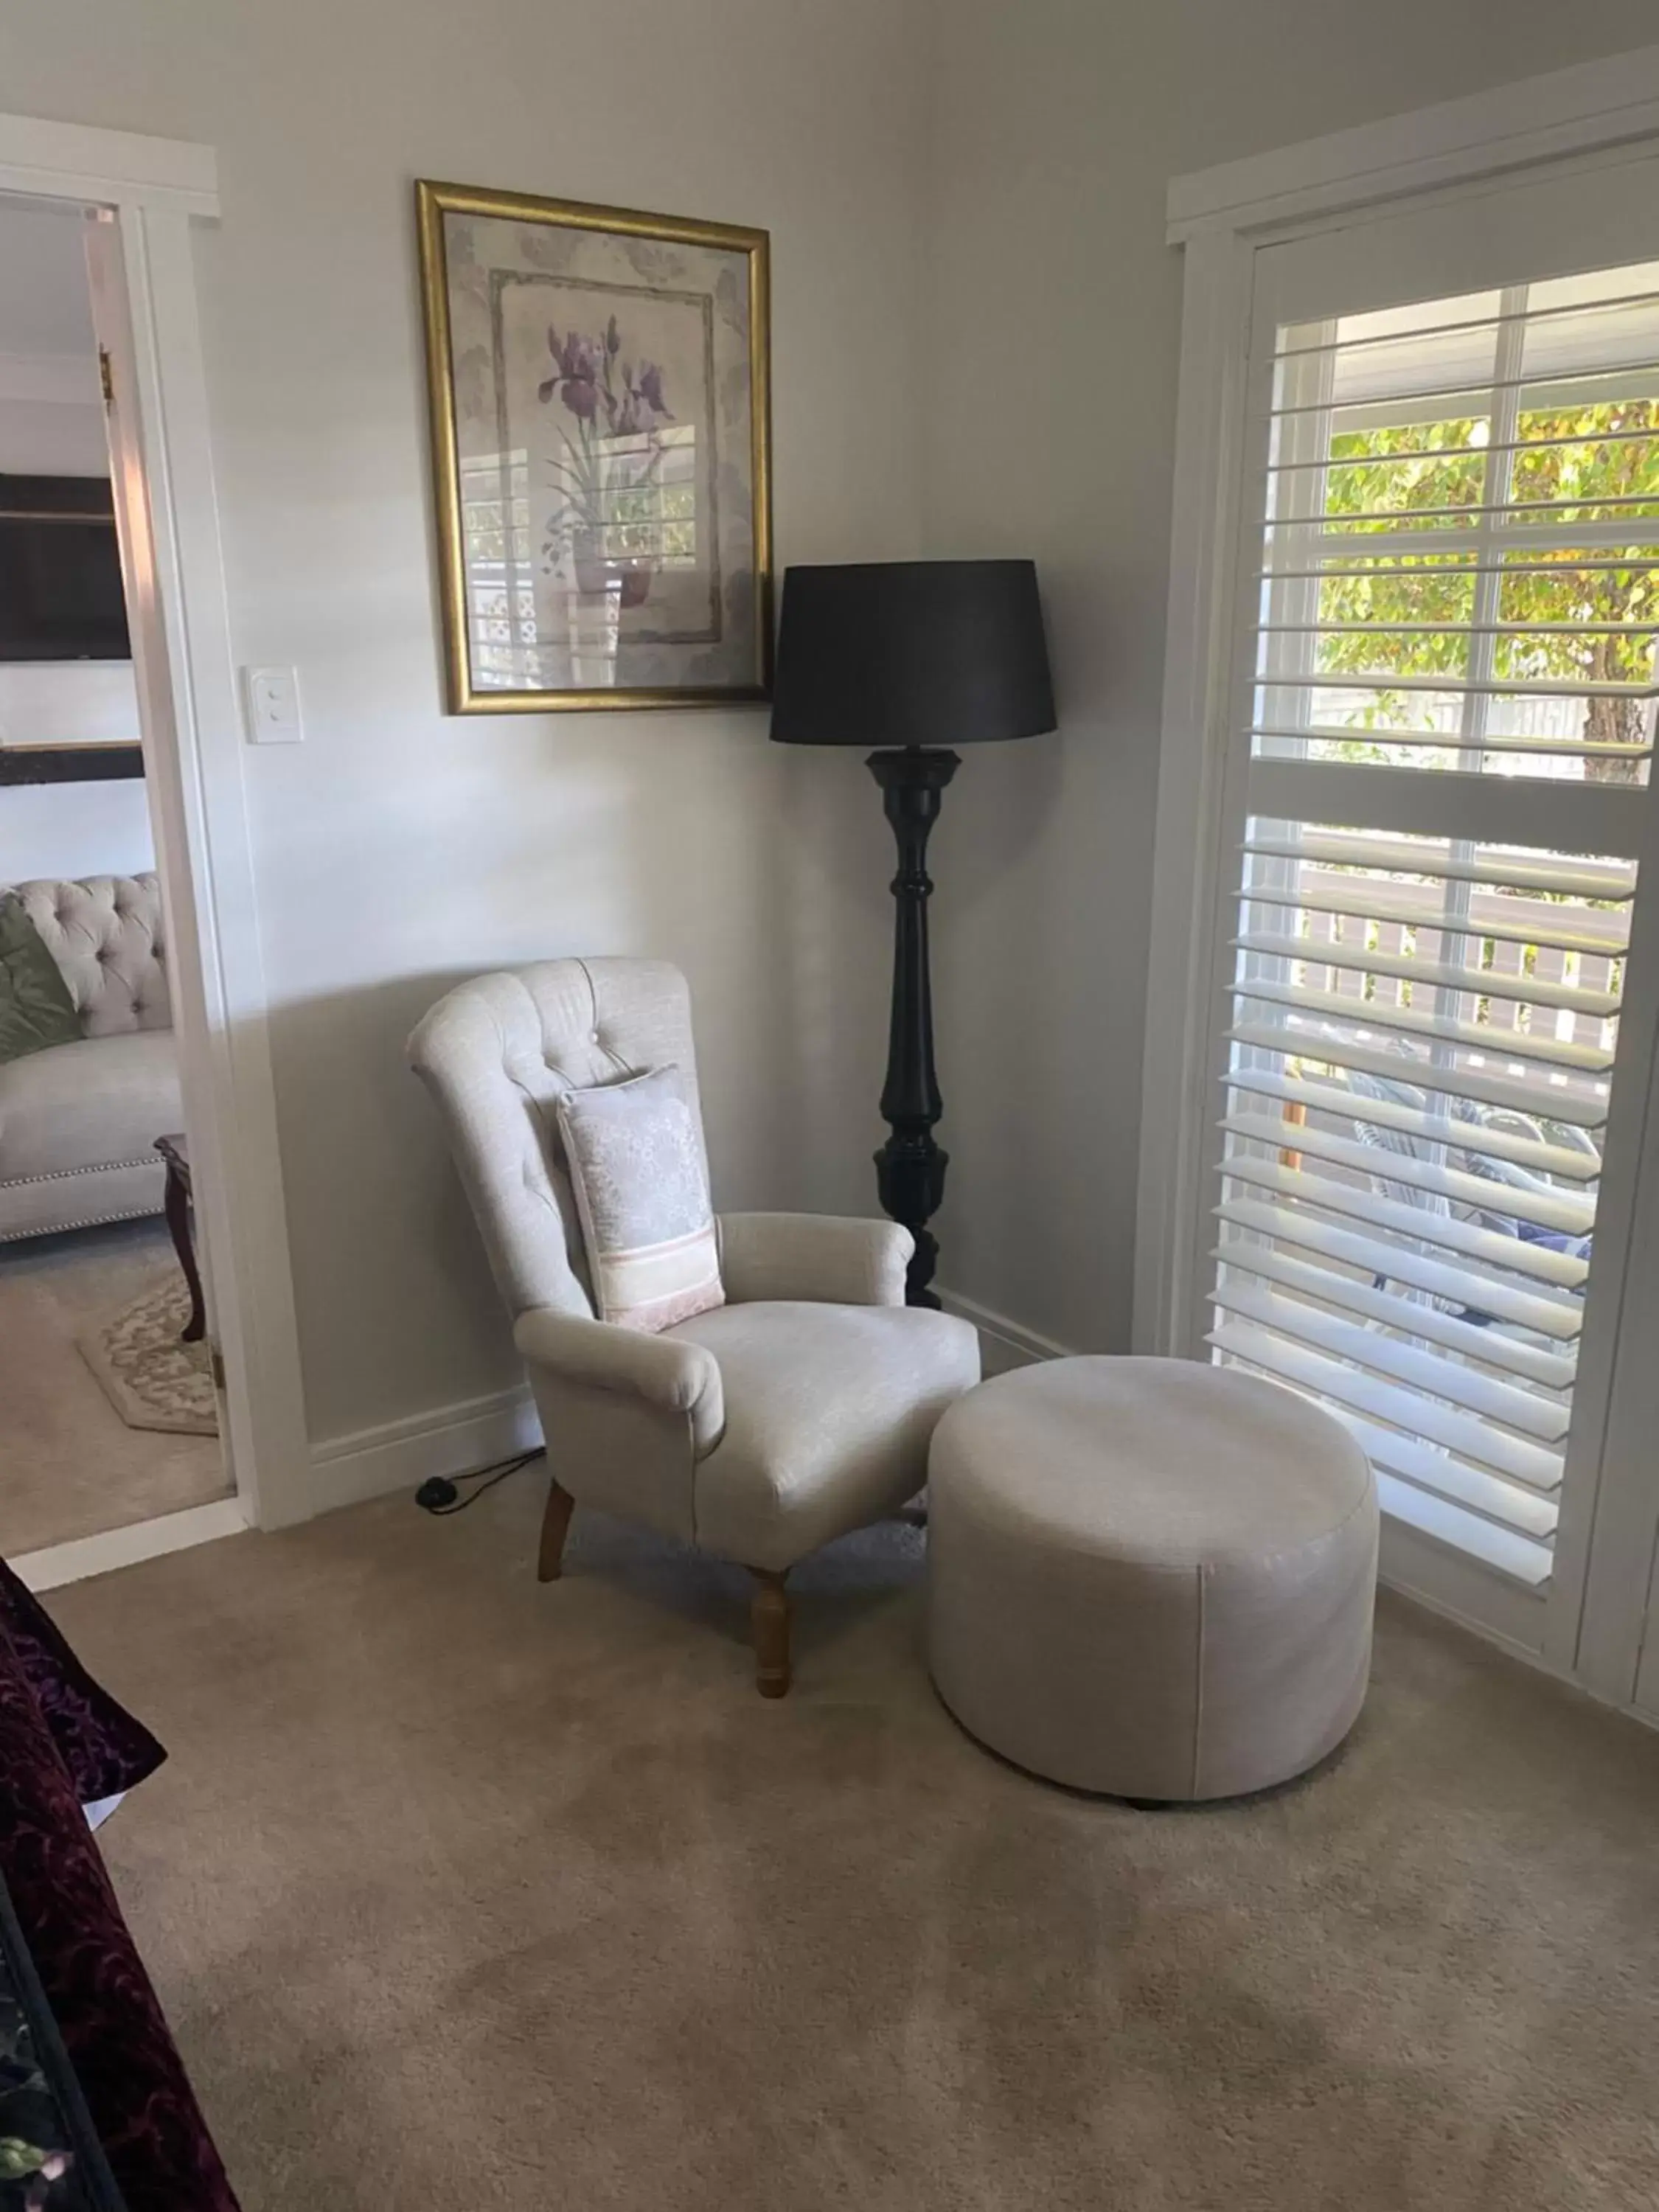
x: 152, y: 1379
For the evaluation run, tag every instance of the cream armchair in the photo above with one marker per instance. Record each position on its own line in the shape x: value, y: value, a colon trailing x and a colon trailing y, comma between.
x: 801, y: 1408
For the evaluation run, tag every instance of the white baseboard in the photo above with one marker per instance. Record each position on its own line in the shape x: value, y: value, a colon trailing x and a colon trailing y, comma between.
x: 1003, y: 1344
x: 453, y: 1440
x: 450, y: 1440
x: 1526, y: 1653
x: 57, y: 1564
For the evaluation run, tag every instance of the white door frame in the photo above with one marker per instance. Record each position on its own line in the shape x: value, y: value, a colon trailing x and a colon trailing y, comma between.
x: 1222, y: 217
x: 154, y: 191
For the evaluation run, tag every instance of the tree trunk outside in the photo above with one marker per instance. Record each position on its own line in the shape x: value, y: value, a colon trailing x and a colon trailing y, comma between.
x: 1613, y: 721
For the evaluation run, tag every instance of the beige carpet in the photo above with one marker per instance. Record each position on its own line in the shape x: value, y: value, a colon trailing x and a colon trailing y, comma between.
x: 465, y: 1891
x: 69, y: 1466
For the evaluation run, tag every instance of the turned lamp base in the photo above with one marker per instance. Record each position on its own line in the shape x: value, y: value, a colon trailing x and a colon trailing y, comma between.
x: 910, y: 1167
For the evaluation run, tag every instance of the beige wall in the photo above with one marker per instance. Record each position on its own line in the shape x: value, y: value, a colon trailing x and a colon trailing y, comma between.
x: 75, y: 830
x: 1009, y: 389
x: 1052, y: 335
x: 397, y: 849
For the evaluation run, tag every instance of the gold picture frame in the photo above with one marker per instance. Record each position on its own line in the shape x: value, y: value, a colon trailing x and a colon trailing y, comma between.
x: 605, y: 540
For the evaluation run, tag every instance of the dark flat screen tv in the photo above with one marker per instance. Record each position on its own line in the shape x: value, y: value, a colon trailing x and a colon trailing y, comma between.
x: 60, y: 572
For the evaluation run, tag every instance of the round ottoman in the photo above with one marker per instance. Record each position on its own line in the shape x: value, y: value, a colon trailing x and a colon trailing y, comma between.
x: 1148, y: 1576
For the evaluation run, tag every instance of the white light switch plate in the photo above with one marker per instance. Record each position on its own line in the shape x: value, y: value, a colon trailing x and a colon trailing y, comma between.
x: 272, y: 701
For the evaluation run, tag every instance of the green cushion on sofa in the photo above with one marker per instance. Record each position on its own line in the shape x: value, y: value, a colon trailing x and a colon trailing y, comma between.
x: 36, y: 1009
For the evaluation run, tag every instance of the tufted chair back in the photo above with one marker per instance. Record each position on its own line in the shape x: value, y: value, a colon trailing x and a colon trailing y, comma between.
x: 495, y: 1053
x: 105, y: 934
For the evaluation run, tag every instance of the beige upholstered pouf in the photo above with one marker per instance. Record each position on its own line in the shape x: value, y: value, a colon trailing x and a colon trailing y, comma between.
x: 1150, y: 1578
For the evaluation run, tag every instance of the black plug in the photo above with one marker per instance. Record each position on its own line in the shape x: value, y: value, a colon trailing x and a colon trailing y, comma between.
x: 438, y: 1494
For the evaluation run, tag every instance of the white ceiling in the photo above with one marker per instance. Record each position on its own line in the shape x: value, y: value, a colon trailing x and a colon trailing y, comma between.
x: 44, y: 303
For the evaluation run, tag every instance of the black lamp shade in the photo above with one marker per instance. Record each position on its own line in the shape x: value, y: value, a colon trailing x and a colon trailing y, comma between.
x: 911, y: 652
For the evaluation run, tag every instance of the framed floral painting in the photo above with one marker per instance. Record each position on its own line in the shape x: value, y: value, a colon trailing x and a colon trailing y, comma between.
x: 600, y: 429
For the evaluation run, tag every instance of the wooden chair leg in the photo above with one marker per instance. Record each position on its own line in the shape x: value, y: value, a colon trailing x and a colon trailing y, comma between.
x: 768, y: 1615
x: 556, y: 1522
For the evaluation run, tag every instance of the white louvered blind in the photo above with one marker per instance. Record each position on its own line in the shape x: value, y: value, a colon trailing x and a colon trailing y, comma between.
x: 1451, y: 694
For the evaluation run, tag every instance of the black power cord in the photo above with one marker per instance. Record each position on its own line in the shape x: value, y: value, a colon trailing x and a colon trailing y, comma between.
x: 439, y: 1496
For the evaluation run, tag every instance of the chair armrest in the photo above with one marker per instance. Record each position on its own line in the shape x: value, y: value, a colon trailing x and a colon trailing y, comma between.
x: 667, y: 1372
x: 818, y: 1256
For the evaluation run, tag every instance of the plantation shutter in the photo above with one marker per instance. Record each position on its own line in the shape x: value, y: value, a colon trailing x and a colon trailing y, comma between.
x: 1449, y: 689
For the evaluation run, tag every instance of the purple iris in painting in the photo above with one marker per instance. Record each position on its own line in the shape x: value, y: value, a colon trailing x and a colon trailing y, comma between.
x: 600, y: 532
x: 587, y: 375
x: 576, y: 374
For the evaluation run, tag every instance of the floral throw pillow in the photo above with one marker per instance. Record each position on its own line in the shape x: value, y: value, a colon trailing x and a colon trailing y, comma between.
x: 635, y: 1153
x: 36, y: 1009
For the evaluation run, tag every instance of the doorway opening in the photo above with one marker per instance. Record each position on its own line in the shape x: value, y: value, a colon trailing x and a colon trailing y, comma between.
x: 107, y: 1371
x: 142, y: 1232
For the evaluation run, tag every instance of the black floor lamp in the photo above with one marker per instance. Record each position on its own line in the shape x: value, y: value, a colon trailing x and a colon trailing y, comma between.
x: 912, y: 656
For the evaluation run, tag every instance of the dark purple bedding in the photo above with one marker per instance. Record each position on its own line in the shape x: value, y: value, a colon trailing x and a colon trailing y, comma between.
x: 64, y: 1742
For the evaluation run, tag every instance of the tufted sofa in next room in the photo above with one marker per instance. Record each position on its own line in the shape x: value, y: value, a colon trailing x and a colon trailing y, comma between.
x: 78, y: 1122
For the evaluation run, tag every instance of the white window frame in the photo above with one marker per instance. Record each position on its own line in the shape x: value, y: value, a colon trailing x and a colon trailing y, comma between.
x: 1222, y: 217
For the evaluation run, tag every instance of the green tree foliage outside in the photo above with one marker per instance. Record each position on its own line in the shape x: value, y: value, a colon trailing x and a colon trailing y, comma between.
x: 1413, y: 470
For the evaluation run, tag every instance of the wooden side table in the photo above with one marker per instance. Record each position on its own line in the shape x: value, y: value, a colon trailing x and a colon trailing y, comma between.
x: 178, y: 1206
